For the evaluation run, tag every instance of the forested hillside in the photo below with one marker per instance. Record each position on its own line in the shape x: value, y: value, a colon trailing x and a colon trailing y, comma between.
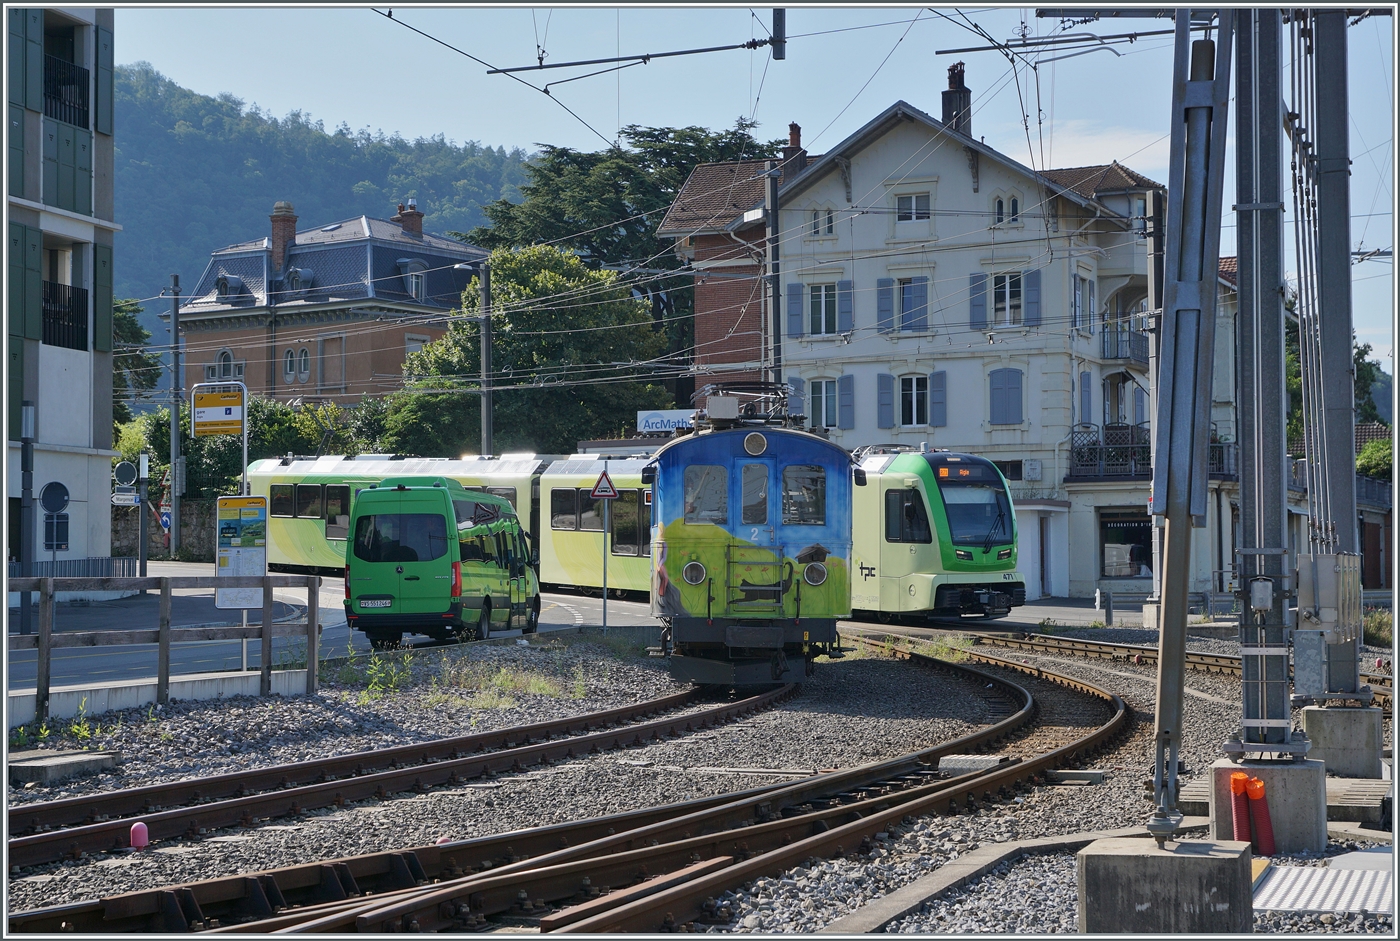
x: 195, y: 173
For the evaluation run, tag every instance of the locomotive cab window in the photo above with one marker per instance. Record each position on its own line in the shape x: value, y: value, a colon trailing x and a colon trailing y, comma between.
x: 563, y: 508
x: 906, y: 519
x: 337, y: 511
x: 281, y: 502
x: 308, y: 501
x: 804, y: 495
x: 706, y: 494
x: 754, y: 479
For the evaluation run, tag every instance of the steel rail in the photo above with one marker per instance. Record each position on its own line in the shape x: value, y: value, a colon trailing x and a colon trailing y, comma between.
x: 193, y: 820
x: 673, y: 909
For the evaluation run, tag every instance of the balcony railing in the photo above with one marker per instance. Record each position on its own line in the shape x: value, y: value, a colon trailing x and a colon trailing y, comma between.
x: 65, y: 91
x: 1122, y: 450
x: 1373, y: 492
x: 65, y: 316
x: 1124, y: 343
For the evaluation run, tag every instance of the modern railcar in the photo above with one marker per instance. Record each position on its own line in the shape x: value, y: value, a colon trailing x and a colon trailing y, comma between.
x: 571, y: 537
x: 751, y: 542
x: 935, y: 537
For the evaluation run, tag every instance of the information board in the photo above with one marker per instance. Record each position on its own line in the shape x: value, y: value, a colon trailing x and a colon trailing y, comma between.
x: 242, y: 549
x: 217, y: 413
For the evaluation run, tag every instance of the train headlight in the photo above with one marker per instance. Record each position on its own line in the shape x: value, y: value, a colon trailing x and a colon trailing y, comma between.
x: 963, y: 555
x: 814, y: 574
x: 755, y: 443
x: 693, y: 573
x: 1003, y: 555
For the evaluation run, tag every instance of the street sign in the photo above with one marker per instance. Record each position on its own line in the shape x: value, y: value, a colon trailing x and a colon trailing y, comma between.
x: 124, y: 473
x: 165, y: 517
x: 241, y: 538
x: 217, y: 413
x: 54, y: 497
x: 604, y: 489
x: 125, y: 499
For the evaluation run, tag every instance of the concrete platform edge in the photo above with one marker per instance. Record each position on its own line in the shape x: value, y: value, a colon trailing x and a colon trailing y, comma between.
x: 64, y: 701
x: 1348, y: 830
x: 959, y: 872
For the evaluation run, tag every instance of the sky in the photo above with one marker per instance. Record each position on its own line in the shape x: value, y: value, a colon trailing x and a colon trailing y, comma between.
x: 357, y: 66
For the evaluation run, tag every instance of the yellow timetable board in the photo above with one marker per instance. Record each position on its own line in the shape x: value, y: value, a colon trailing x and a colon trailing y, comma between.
x: 218, y: 413
x: 242, y: 548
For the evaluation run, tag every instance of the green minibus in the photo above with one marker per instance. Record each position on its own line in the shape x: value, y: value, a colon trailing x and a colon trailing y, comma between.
x: 427, y: 556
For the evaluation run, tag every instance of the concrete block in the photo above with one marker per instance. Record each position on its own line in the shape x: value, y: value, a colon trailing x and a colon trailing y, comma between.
x: 1297, y: 796
x: 1132, y: 885
x: 45, y: 767
x: 1348, y: 741
x: 67, y: 701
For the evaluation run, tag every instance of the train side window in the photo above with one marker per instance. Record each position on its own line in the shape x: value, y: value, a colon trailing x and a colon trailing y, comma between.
x: 906, y: 520
x: 308, y: 501
x: 337, y: 511
x: 281, y: 502
x: 647, y: 514
x: 804, y: 495
x: 505, y: 493
x: 563, y: 508
x: 754, y: 481
x: 706, y: 494
x: 627, y: 535
x: 590, y: 513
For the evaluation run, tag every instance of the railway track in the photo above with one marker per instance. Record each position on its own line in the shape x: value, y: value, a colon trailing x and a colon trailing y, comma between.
x: 65, y: 829
x: 657, y: 869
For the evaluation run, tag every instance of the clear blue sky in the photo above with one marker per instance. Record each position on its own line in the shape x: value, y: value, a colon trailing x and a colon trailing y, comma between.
x: 355, y: 66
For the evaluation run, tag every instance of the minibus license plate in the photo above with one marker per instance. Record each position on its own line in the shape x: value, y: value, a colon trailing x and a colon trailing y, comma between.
x: 375, y: 603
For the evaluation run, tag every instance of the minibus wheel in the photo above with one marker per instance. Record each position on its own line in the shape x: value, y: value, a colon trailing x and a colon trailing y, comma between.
x: 483, y: 626
x: 532, y: 617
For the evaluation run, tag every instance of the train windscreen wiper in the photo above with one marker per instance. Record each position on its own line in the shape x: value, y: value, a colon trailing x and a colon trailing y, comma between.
x: 991, y: 533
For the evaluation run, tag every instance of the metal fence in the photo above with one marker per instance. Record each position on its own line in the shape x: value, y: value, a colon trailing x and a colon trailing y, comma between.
x: 1124, y: 343
x: 1373, y: 492
x: 96, y: 567
x: 65, y: 316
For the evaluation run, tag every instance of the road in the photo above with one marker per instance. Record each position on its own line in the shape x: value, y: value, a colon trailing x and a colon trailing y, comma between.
x: 100, y: 666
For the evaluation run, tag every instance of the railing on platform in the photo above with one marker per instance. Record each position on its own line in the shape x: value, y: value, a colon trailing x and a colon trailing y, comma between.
x: 164, y: 635
x: 94, y: 567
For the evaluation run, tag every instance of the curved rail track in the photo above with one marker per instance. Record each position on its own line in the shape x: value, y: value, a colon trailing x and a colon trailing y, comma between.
x: 656, y: 869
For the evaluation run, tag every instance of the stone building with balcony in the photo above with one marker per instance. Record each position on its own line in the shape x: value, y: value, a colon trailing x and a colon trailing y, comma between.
x: 61, y: 228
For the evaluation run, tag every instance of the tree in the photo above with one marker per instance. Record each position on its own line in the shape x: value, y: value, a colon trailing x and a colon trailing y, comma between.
x: 1375, y: 459
x: 134, y: 370
x: 571, y: 352
x: 606, y: 206
x: 1367, y: 373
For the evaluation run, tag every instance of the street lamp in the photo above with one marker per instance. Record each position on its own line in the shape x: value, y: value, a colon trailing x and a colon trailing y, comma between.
x: 485, y: 321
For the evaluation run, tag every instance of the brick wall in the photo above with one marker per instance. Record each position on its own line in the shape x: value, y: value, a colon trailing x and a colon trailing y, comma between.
x: 728, y: 311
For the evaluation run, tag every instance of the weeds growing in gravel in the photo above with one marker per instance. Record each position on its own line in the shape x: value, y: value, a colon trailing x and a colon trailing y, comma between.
x: 580, y: 689
x: 953, y: 649
x: 81, y: 726
x: 1048, y: 625
x: 292, y: 656
x: 1377, y: 626
x: 1097, y: 624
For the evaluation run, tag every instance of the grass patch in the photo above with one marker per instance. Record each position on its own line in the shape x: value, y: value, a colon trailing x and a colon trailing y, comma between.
x: 1048, y: 625
x: 485, y: 678
x: 952, y: 649
x: 492, y: 699
x: 1377, y: 627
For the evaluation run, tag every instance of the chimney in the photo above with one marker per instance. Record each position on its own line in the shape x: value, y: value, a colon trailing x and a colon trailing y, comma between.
x: 794, y: 157
x: 410, y: 219
x: 284, y: 232
x: 957, y: 101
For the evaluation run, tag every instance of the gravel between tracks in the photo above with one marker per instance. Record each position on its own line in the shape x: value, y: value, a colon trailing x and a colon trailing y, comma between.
x: 854, y: 711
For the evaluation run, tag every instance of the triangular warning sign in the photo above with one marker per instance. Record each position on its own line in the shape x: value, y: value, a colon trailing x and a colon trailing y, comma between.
x: 604, y: 489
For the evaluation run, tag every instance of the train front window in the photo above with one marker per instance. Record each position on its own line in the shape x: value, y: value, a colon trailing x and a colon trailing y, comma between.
x: 804, y: 495
x: 706, y: 494
x: 978, y: 511
x: 400, y: 537
x: 754, y: 478
x: 906, y: 519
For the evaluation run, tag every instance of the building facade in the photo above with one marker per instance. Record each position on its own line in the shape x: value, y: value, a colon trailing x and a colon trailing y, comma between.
x: 61, y: 228
x: 326, y: 314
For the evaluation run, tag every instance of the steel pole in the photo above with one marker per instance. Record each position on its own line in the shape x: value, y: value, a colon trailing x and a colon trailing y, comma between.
x: 26, y: 510
x: 175, y: 391
x: 487, y: 423
x: 775, y: 293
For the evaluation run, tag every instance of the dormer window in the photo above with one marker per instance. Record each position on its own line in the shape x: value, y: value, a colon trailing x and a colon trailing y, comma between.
x: 299, y: 279
x: 228, y: 285
x: 415, y: 286
x: 414, y: 278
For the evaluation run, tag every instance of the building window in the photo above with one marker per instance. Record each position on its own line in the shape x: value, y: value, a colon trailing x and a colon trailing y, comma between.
x: 1015, y: 209
x: 1140, y: 215
x: 830, y: 222
x: 415, y: 286
x: 913, y: 400
x: 412, y: 343
x: 1006, y: 299
x: 1011, y: 470
x: 1081, y: 312
x: 823, y: 309
x: 816, y: 222
x: 823, y: 222
x: 1001, y: 211
x: 823, y: 403
x: 289, y: 366
x: 1126, y: 538
x: 912, y: 208
x: 303, y: 365
x: 225, y: 365
x: 1006, y: 396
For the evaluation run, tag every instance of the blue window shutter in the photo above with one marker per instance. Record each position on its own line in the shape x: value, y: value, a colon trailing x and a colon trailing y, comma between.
x: 1013, y: 396
x: 795, y: 295
x: 1139, y: 406
x: 998, y: 380
x: 796, y: 387
x: 884, y: 401
x: 938, y: 399
x: 846, y: 402
x: 884, y: 305
x: 845, y: 319
x: 1090, y: 309
x: 1030, y: 298
x: 1086, y: 398
x: 916, y: 318
x: 977, y: 293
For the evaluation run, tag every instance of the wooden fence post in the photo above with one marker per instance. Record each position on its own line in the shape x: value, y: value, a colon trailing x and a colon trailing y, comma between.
x: 41, y: 681
x: 265, y: 680
x: 313, y: 631
x: 163, y: 648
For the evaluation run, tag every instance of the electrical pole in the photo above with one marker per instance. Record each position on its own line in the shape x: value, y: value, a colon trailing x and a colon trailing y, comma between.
x: 175, y: 391
x: 771, y: 176
x: 143, y: 470
x: 26, y: 508
x: 487, y: 444
x: 1156, y: 256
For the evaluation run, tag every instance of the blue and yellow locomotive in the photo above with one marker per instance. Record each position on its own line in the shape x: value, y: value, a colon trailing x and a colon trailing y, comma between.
x: 751, y: 543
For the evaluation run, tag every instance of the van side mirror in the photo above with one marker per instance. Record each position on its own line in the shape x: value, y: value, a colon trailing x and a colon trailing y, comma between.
x: 859, y: 474
x: 649, y: 474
